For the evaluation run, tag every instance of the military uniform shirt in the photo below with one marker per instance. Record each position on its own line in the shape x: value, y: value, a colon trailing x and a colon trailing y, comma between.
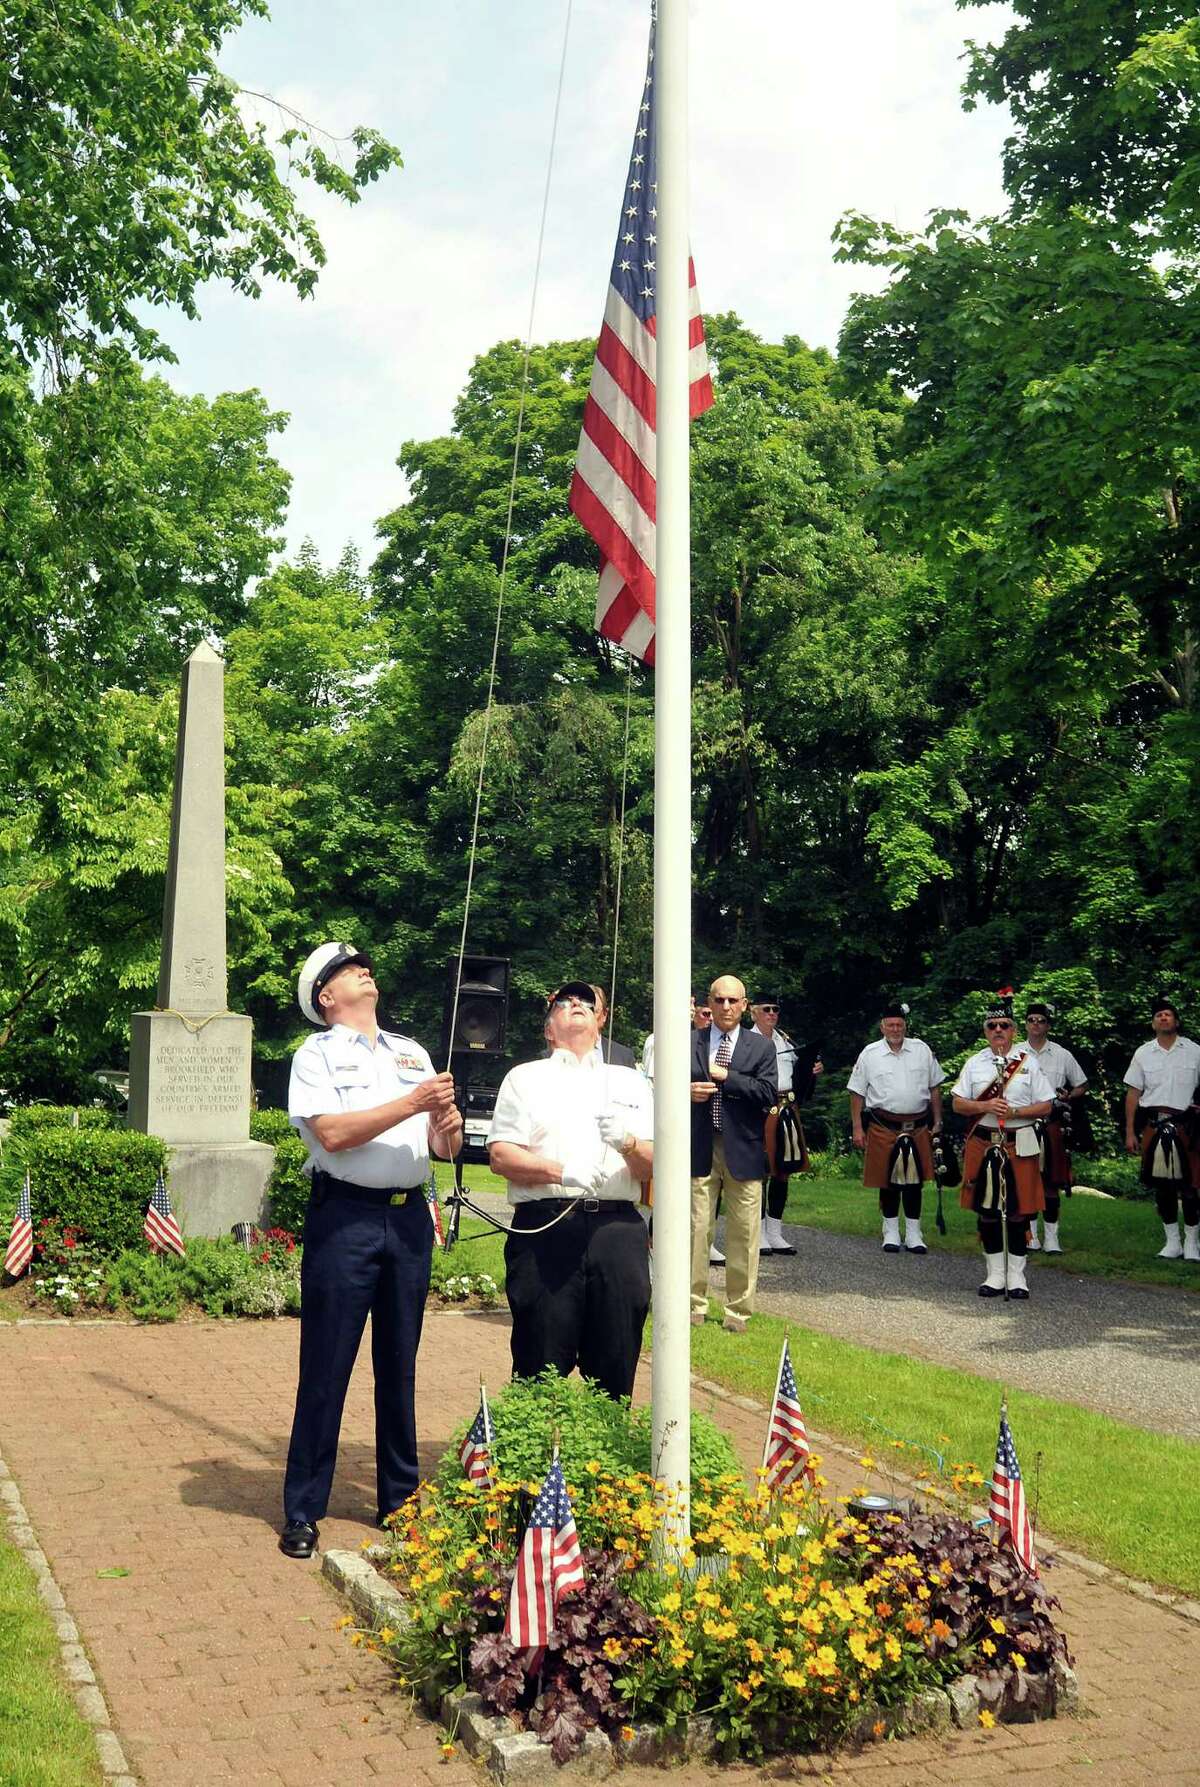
x: 338, y: 1071
x: 551, y: 1107
x: 1165, y: 1076
x: 1028, y: 1085
x: 1058, y: 1064
x: 785, y: 1057
x: 890, y: 1080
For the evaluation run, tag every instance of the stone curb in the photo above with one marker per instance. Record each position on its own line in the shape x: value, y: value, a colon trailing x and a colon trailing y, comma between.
x: 519, y: 1756
x: 1180, y: 1604
x: 89, y: 1697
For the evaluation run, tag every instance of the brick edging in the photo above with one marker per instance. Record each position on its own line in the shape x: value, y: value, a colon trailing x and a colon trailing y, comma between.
x: 89, y: 1696
x: 1179, y: 1604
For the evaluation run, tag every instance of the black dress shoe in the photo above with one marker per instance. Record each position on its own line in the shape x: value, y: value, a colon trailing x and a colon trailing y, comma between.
x: 298, y: 1538
x: 786, y: 1248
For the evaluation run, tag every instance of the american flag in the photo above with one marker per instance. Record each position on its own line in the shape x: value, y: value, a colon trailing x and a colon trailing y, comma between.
x: 20, y: 1240
x: 435, y: 1213
x: 475, y: 1453
x: 787, y: 1451
x: 549, y: 1567
x: 1007, y: 1506
x: 613, y: 488
x: 160, y: 1227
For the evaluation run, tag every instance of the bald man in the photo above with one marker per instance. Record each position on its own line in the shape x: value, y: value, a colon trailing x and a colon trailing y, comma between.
x: 734, y: 1085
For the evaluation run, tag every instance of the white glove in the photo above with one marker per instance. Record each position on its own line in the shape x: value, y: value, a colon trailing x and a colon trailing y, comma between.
x: 583, y: 1174
x: 614, y: 1132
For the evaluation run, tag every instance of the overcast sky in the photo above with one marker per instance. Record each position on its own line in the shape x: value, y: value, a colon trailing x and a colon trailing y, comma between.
x: 797, y: 114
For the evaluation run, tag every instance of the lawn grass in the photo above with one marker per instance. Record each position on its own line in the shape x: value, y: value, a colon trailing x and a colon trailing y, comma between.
x: 1103, y: 1237
x: 1111, y: 1490
x: 43, y: 1740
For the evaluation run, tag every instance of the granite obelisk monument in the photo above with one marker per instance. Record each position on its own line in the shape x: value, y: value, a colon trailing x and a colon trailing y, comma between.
x: 189, y: 1058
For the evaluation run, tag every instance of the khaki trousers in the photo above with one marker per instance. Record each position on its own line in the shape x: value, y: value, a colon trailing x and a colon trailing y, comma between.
x: 742, y: 1198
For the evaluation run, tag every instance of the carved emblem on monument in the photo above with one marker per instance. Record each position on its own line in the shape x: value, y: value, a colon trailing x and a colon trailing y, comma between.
x: 199, y: 973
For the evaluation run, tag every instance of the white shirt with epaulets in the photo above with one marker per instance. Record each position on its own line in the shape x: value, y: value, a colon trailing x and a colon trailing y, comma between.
x: 899, y: 1080
x: 339, y: 1070
x: 1058, y: 1064
x: 1028, y: 1085
x: 1165, y: 1077
x: 785, y: 1056
x: 551, y: 1107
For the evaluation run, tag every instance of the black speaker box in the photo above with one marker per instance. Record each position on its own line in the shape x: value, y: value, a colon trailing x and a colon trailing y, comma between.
x: 481, y: 1021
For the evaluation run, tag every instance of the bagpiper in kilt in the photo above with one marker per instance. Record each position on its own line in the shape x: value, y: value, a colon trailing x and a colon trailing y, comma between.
x: 895, y: 1107
x: 1005, y: 1093
x: 1070, y: 1083
x: 1161, y: 1098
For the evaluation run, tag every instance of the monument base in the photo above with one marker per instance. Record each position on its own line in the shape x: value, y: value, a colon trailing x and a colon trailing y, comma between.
x: 212, y: 1187
x: 189, y: 1078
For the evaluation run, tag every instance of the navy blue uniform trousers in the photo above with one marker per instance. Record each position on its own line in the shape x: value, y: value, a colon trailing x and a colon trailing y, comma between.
x: 359, y: 1258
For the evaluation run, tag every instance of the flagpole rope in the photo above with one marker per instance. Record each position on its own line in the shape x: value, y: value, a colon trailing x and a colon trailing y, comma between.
x: 512, y: 493
x: 612, y: 994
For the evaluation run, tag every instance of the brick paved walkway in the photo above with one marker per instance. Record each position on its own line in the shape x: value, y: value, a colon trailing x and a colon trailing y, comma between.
x: 161, y: 1450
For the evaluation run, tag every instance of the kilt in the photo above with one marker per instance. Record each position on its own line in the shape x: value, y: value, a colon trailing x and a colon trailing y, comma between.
x: 1030, y: 1196
x: 1057, y: 1171
x: 880, y: 1142
x: 1188, y: 1135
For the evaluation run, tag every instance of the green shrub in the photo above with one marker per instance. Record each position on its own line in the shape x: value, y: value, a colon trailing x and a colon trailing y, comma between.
x: 270, y: 1126
x: 28, y: 1119
x: 218, y: 1276
x: 96, y: 1180
x: 592, y: 1429
x: 1119, y: 1174
x: 290, y: 1186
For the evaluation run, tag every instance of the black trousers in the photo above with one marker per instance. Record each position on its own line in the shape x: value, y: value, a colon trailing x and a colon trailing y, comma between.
x: 579, y: 1292
x: 774, y: 1198
x: 1170, y: 1197
x: 890, y: 1197
x: 360, y: 1258
x: 991, y: 1234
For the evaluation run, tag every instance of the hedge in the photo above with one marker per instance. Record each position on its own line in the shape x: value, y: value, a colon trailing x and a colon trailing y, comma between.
x: 97, y: 1180
x: 28, y: 1119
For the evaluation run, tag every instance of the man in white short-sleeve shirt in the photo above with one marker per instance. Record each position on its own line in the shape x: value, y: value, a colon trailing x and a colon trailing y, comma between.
x: 896, y: 1085
x: 1162, y: 1092
x: 574, y: 1137
x: 1070, y: 1083
x: 370, y: 1109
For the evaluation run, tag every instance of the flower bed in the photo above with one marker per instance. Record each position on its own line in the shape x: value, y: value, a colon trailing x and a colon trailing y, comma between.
x: 787, y: 1622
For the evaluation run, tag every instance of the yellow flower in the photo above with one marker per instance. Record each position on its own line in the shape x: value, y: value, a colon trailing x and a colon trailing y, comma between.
x: 386, y: 1634
x: 867, y: 1462
x: 891, y: 1645
x: 1018, y: 1660
x: 447, y: 1752
x: 879, y: 1727
x: 671, y: 1601
x: 988, y: 1648
x: 873, y: 1660
x: 987, y: 1719
x: 745, y: 1690
x: 612, y: 1650
x: 792, y: 1678
x: 592, y: 1467
x: 998, y: 1625
x: 782, y: 1656
x: 347, y: 1619
x: 857, y: 1646
x: 785, y: 1564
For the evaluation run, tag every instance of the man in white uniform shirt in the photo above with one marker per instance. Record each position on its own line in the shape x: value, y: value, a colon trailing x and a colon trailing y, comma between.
x: 896, y: 1085
x: 1162, y: 1089
x: 1070, y: 1083
x: 370, y: 1109
x: 765, y: 1010
x: 574, y: 1137
x: 1006, y: 1092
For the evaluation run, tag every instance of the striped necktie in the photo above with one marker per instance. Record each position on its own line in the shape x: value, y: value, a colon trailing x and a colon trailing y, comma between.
x: 720, y: 1059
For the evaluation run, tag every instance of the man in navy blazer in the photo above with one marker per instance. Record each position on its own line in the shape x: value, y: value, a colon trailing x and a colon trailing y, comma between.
x: 734, y: 1085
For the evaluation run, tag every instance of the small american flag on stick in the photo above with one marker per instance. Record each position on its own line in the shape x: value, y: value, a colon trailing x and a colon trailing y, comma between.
x: 160, y: 1227
x: 613, y: 489
x: 1006, y: 1505
x: 549, y: 1567
x: 475, y: 1453
x: 20, y: 1241
x: 786, y: 1453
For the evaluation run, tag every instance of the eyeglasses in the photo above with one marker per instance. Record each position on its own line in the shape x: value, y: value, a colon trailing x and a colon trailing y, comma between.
x: 729, y: 998
x: 768, y: 1008
x: 704, y: 1011
x: 572, y: 999
x: 1037, y: 1020
x: 998, y: 1026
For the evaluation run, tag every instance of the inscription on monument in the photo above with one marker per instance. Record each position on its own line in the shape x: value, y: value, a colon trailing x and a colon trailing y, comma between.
x: 209, y: 1082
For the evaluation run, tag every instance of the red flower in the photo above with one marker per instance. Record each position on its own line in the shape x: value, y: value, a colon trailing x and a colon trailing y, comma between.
x: 68, y: 1239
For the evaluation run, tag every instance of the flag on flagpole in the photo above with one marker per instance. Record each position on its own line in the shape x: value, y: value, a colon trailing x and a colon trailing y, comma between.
x: 613, y: 487
x: 549, y: 1567
x: 1006, y: 1505
x: 160, y: 1227
x: 20, y: 1241
x: 786, y: 1453
x: 475, y: 1453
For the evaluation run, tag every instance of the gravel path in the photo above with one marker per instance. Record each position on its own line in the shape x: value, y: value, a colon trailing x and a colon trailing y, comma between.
x: 1128, y: 1350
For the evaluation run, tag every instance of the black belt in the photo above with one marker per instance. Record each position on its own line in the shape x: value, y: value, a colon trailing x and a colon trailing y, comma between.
x: 326, y: 1186
x: 896, y: 1124
x: 555, y: 1206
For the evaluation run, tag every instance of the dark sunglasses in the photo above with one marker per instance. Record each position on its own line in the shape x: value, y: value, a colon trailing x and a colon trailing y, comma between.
x: 768, y: 1008
x: 999, y: 1026
x: 570, y: 1000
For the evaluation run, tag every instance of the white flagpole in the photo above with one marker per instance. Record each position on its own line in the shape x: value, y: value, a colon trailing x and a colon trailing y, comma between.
x: 672, y: 787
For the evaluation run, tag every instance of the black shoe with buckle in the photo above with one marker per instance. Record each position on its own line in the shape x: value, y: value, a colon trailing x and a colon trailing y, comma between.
x: 298, y: 1538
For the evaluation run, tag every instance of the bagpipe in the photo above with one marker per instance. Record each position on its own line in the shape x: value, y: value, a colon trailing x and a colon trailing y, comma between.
x: 995, y: 1183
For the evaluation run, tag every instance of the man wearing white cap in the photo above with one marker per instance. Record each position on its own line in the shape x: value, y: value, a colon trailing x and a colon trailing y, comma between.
x: 370, y: 1109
